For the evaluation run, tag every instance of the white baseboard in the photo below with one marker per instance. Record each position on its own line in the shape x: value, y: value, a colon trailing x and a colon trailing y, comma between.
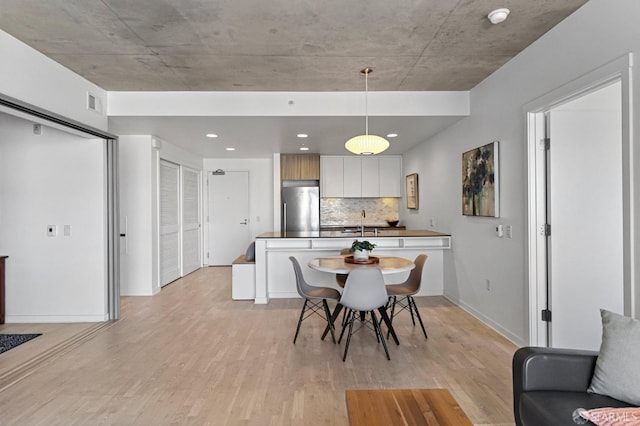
x: 284, y: 295
x: 488, y: 322
x: 35, y: 319
x: 141, y: 292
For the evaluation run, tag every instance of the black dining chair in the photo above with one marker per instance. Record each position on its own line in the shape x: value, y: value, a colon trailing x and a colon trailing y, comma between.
x: 315, y: 300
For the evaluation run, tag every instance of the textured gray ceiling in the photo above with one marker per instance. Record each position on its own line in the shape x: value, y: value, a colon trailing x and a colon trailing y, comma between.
x: 280, y: 45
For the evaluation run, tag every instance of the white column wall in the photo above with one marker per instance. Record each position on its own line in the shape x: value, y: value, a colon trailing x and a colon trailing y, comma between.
x: 138, y: 216
x: 52, y: 179
x: 139, y: 158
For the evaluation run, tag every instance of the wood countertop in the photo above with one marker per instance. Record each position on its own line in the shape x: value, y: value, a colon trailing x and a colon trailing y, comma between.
x: 382, y: 233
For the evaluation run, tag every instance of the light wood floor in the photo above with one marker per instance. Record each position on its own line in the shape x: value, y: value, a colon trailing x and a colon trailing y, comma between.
x: 191, y: 355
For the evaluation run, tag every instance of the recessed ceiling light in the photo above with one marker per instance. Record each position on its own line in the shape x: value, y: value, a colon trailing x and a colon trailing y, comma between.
x: 304, y: 148
x: 211, y: 135
x: 230, y: 149
x: 498, y: 15
x: 392, y: 135
x: 303, y: 135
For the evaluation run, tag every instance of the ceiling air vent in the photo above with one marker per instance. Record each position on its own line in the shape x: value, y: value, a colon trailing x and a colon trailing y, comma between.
x: 94, y: 103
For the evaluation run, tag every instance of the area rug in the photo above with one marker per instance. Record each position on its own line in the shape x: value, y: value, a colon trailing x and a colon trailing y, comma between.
x: 10, y: 341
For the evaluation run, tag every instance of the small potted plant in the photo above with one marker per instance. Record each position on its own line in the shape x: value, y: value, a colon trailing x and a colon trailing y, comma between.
x: 361, y: 249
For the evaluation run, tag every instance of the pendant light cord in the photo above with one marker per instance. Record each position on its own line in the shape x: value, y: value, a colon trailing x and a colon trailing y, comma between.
x: 366, y: 103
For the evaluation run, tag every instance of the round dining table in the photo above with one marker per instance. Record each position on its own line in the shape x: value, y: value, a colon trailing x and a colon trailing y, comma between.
x: 338, y: 265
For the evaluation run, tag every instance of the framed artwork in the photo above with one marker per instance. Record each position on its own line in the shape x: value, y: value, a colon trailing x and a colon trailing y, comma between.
x: 480, y: 183
x: 412, y: 191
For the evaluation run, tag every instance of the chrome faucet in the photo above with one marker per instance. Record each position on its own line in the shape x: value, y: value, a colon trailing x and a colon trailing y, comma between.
x: 363, y: 214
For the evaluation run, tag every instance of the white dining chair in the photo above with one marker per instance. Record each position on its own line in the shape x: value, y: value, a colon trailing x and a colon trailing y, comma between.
x: 315, y: 299
x: 364, y: 292
x: 402, y: 294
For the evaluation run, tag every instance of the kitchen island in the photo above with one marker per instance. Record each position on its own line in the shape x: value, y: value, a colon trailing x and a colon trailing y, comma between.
x: 274, y: 273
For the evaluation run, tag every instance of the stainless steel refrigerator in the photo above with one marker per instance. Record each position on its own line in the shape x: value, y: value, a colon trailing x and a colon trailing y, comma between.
x: 300, y: 207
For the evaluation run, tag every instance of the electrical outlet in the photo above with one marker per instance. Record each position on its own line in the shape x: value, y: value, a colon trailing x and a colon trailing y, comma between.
x: 52, y: 230
x: 432, y: 222
x: 67, y: 230
x: 488, y: 284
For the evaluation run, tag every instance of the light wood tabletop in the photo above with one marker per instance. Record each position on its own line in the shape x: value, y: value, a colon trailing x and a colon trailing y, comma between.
x: 337, y: 265
x: 388, y: 407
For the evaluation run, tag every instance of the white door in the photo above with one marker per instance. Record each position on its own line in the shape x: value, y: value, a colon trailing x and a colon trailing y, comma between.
x: 190, y: 221
x: 169, y: 222
x: 585, y: 214
x: 228, y: 216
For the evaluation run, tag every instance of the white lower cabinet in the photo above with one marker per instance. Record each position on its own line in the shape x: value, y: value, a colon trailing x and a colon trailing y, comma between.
x: 274, y: 272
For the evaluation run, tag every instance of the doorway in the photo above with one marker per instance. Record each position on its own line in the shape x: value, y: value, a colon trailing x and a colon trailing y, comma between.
x: 578, y: 250
x: 229, y: 236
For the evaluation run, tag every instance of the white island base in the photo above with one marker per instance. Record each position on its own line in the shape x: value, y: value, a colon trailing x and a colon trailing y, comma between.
x: 275, y: 277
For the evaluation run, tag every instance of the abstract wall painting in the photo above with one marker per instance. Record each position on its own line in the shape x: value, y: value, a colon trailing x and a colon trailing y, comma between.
x: 480, y: 183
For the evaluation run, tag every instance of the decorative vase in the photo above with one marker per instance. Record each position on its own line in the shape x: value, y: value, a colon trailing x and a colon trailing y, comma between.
x: 361, y: 254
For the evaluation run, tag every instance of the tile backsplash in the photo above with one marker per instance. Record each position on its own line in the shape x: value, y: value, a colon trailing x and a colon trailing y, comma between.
x: 346, y: 211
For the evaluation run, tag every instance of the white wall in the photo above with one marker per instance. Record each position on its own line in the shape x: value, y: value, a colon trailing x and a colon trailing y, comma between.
x: 52, y: 179
x: 593, y: 36
x: 31, y: 77
x: 260, y: 191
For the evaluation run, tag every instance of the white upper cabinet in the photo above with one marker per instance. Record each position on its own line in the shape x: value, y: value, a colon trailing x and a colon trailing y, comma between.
x: 390, y: 176
x: 370, y: 177
x: 361, y: 177
x: 331, y: 170
x: 352, y: 177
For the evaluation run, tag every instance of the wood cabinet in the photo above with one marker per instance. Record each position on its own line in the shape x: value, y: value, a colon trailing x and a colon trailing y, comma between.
x: 360, y: 177
x: 300, y: 167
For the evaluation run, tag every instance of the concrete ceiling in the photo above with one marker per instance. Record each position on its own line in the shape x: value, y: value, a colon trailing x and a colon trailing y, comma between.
x: 279, y: 45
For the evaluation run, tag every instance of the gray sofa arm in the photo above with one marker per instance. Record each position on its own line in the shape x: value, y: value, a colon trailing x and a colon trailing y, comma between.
x: 549, y: 369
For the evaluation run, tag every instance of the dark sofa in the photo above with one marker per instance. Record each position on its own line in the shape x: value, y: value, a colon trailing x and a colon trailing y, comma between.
x: 550, y: 384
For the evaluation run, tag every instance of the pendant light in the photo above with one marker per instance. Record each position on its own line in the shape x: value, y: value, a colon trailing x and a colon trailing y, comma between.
x: 366, y: 144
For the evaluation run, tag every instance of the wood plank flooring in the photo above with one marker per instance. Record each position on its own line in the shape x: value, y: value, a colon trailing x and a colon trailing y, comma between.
x: 400, y: 407
x: 191, y: 355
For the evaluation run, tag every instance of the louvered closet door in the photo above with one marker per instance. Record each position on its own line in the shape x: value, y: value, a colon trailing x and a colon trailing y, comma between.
x: 169, y: 222
x: 190, y: 221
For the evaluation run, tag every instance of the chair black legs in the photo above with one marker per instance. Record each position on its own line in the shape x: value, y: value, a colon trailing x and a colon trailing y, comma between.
x: 304, y: 307
x: 314, y: 306
x: 413, y: 302
x: 406, y: 302
x: 327, y: 315
x: 353, y: 316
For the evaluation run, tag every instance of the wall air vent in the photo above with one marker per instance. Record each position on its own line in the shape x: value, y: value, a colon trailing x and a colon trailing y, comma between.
x: 94, y: 103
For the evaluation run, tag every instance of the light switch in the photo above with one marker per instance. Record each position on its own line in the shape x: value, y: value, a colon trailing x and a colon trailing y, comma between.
x: 499, y: 231
x: 52, y: 230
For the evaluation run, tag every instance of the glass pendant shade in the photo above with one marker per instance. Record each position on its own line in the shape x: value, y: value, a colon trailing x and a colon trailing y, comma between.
x: 367, y: 144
